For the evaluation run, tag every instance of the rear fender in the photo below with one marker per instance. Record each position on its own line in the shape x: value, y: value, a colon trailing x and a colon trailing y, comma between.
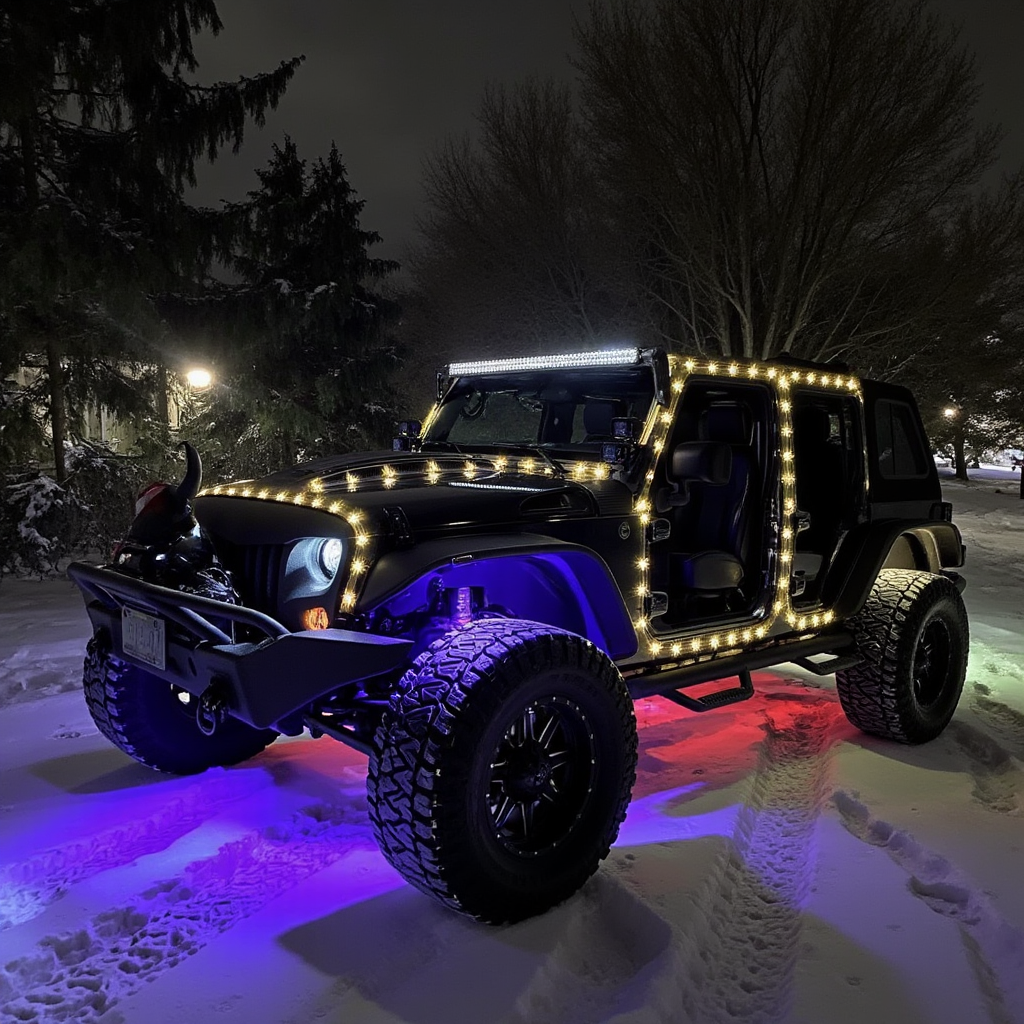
x: 932, y: 548
x: 887, y: 544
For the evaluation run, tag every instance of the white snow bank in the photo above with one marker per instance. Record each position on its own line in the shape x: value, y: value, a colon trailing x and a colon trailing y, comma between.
x: 775, y: 866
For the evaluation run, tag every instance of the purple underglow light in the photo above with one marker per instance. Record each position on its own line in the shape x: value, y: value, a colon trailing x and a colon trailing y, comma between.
x: 652, y: 819
x: 106, y: 831
x: 564, y: 589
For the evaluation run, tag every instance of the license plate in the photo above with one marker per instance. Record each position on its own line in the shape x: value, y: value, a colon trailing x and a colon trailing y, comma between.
x: 143, y: 637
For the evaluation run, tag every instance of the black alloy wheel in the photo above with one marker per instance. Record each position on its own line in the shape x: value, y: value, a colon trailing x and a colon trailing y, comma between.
x: 542, y: 776
x: 931, y: 661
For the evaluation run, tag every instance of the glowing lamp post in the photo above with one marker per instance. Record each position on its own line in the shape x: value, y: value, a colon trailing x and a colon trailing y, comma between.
x: 193, y: 396
x: 199, y: 379
x: 953, y: 415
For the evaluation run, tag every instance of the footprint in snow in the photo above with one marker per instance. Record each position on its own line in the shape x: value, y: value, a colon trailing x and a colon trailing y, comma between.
x: 995, y: 947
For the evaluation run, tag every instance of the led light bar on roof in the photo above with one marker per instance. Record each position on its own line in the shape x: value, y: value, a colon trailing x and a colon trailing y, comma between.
x: 612, y: 357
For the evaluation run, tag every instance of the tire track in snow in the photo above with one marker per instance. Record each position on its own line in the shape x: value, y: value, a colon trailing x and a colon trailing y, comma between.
x: 28, y: 887
x: 995, y: 949
x: 742, y: 950
x: 1005, y: 721
x: 733, y: 961
x: 81, y: 975
x: 998, y: 780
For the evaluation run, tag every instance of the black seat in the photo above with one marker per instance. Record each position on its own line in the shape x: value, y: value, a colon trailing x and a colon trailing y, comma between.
x: 556, y: 422
x: 717, y: 522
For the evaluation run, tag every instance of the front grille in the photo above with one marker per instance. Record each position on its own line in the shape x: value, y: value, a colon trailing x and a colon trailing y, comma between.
x: 256, y: 570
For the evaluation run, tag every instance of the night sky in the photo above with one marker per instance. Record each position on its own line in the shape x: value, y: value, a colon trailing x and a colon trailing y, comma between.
x: 389, y: 79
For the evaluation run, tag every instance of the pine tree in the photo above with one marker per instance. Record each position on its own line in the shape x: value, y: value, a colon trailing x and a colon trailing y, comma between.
x: 101, y: 127
x: 305, y: 354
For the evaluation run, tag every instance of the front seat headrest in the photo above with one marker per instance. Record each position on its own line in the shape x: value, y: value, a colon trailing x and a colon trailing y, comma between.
x: 709, y: 462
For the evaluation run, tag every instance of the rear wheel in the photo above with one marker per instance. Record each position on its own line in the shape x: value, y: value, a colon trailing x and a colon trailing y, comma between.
x: 913, y: 636
x: 503, y: 768
x: 155, y: 723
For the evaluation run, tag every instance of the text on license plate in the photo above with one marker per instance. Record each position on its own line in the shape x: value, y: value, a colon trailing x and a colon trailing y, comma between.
x: 143, y: 637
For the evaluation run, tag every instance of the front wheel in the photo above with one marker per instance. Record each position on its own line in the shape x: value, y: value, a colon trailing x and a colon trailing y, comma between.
x: 913, y: 636
x: 155, y: 723
x: 503, y: 768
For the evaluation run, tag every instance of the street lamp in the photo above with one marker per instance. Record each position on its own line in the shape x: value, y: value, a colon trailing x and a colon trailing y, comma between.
x: 199, y: 379
x: 949, y: 412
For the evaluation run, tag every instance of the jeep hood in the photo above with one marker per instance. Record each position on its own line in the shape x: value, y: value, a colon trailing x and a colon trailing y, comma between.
x: 438, y: 492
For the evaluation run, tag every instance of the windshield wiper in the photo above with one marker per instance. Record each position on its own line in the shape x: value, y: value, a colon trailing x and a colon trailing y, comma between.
x: 447, y: 446
x: 521, y: 449
x: 528, y: 449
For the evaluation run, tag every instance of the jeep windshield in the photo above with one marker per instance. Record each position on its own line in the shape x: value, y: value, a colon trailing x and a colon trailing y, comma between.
x: 556, y: 410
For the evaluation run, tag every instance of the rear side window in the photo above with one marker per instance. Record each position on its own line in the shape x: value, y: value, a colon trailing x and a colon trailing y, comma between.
x: 902, y: 452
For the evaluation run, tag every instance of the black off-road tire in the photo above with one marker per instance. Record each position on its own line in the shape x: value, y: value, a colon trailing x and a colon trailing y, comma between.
x: 913, y: 636
x: 144, y: 716
x: 503, y: 768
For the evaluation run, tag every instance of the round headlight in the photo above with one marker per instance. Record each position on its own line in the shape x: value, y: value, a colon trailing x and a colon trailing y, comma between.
x: 330, y: 554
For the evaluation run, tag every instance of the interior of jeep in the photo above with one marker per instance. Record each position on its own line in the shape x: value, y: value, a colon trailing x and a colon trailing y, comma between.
x: 829, y: 462
x: 710, y: 496
x: 715, y: 497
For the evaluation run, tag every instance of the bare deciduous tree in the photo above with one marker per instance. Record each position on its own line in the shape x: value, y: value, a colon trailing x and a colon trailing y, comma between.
x: 518, y: 248
x: 800, y: 170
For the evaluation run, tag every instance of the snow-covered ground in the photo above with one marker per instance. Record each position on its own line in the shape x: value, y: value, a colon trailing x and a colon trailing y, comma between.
x: 776, y: 865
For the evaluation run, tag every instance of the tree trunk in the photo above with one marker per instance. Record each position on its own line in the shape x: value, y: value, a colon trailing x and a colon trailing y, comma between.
x: 163, y: 408
x: 959, y: 456
x: 28, y: 163
x: 58, y: 414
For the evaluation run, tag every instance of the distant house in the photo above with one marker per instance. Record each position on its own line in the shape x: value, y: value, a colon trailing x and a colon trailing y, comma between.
x: 98, y: 423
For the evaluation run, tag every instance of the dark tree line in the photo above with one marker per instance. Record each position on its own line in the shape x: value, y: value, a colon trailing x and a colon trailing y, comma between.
x: 747, y: 178
x: 110, y: 278
x: 100, y: 132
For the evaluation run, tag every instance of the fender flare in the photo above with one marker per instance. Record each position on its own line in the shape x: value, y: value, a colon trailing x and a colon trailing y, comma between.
x: 590, y: 581
x: 929, y: 545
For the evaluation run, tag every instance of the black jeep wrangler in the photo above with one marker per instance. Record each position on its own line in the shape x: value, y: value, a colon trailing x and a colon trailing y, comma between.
x: 476, y: 608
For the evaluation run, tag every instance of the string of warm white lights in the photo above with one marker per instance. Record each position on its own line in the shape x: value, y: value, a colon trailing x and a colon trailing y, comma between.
x: 415, y: 472
x: 319, y: 494
x: 363, y: 553
x: 781, y: 609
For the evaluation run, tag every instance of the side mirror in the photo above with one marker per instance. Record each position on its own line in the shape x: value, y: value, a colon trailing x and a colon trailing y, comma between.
x: 408, y: 436
x: 626, y: 431
x: 626, y: 427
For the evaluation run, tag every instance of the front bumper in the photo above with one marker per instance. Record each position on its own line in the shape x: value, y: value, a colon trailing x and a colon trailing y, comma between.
x: 262, y: 682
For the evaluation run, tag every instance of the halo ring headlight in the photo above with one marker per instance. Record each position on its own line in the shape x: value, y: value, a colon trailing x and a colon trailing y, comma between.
x: 329, y: 555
